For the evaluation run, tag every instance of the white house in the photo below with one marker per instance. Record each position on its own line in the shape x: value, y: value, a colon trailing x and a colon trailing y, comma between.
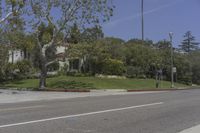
x: 73, y: 64
x: 16, y: 55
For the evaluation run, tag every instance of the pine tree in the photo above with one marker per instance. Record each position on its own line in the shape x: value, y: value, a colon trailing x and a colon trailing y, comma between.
x: 75, y: 35
x: 189, y: 44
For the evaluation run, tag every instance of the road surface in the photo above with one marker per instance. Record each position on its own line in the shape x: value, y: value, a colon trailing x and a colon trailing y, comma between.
x: 164, y: 112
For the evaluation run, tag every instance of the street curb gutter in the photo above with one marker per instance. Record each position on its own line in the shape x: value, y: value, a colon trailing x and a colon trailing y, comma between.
x: 177, y: 89
x: 101, y: 90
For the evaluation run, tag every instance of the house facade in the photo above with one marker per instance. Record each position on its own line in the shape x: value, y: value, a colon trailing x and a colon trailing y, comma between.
x: 17, y: 55
x: 73, y: 65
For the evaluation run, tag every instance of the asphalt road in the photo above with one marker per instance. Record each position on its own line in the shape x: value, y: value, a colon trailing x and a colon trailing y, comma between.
x: 165, y: 112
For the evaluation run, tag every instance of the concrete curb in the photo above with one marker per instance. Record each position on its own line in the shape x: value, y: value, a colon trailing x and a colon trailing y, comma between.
x: 175, y: 89
x: 108, y: 90
x: 67, y: 90
x: 98, y: 90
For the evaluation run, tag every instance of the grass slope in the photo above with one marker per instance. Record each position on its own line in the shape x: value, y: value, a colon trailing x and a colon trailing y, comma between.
x: 97, y: 83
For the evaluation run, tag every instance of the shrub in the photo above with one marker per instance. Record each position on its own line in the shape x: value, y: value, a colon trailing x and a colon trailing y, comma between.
x: 24, y: 67
x: 63, y: 70
x: 53, y: 67
x: 134, y: 72
x: 72, y: 85
x: 113, y: 67
x: 10, y: 71
x: 78, y: 74
x: 196, y: 74
x: 186, y: 79
x: 20, y: 70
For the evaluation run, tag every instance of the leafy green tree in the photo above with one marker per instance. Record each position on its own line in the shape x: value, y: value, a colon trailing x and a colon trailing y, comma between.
x: 183, y: 68
x: 194, y: 61
x: 188, y: 46
x: 81, y: 12
x: 113, y: 67
x: 74, y: 35
x: 115, y: 47
x: 91, y: 35
x: 19, y: 40
x: 164, y: 52
x: 142, y: 56
x: 133, y: 72
x: 24, y: 67
x: 97, y: 53
x: 3, y: 61
x: 138, y: 41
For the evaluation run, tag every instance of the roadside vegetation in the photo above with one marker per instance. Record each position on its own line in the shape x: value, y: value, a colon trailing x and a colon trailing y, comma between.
x: 140, y: 62
x: 68, y: 82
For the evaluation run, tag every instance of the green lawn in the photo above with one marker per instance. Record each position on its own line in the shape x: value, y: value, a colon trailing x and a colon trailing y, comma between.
x: 97, y: 83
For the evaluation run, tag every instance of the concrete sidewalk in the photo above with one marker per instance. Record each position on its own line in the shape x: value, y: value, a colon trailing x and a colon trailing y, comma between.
x: 195, y: 129
x: 14, y: 96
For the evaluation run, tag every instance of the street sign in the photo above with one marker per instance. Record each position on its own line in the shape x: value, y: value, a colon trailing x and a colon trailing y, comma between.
x: 174, y: 70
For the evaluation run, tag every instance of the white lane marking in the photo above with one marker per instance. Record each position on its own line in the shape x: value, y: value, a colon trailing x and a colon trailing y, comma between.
x: 21, y: 108
x: 195, y: 129
x: 79, y: 115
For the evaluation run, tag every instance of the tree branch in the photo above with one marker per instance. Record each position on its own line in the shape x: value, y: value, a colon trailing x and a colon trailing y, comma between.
x: 6, y: 17
x: 67, y: 18
x: 12, y: 11
x: 51, y: 62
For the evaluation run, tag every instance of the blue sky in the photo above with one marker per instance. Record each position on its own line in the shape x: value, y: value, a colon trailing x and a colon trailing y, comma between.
x: 161, y: 17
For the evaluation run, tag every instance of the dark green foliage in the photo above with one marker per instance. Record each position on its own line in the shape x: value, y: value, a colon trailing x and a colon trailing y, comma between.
x: 196, y: 74
x: 144, y: 57
x: 90, y: 35
x: 53, y: 67
x: 45, y: 33
x: 63, y: 70
x: 113, y: 67
x: 3, y: 61
x: 72, y: 85
x: 10, y: 71
x: 75, y: 35
x: 194, y: 59
x: 20, y: 70
x: 186, y: 79
x: 183, y: 69
x: 189, y: 44
x: 134, y: 72
x: 138, y: 41
x: 80, y: 13
x: 24, y: 67
x: 50, y: 53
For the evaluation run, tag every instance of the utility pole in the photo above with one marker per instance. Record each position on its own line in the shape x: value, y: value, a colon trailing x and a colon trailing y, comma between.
x: 172, y: 62
x: 142, y: 15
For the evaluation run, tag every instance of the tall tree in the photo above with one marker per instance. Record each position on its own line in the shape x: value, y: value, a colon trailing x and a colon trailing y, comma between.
x: 74, y: 35
x: 189, y: 44
x: 194, y: 58
x: 81, y: 12
x: 90, y: 35
x: 3, y: 61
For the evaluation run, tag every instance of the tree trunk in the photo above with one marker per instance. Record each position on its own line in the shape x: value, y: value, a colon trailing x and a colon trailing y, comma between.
x: 43, y: 73
x: 42, y: 82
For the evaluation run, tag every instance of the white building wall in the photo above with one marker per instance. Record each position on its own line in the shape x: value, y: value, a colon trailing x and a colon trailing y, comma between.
x: 60, y: 49
x: 15, y: 56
